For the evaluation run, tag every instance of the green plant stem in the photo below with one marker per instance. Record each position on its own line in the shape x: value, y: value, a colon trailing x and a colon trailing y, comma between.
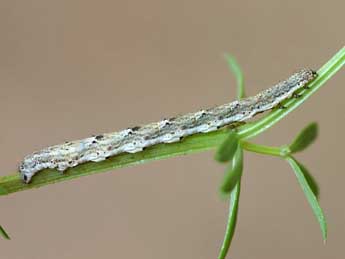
x: 232, y: 218
x: 261, y: 149
x: 193, y: 144
x: 324, y: 73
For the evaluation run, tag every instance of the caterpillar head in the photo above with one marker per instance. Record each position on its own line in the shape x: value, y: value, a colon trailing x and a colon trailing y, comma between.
x: 27, y: 169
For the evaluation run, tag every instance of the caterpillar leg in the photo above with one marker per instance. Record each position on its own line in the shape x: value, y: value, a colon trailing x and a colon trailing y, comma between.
x: 280, y: 106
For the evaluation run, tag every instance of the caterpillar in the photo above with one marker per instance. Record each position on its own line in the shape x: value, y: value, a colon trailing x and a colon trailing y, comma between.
x: 136, y: 139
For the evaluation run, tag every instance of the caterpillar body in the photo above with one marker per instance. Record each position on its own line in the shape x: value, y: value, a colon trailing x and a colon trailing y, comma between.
x: 132, y: 140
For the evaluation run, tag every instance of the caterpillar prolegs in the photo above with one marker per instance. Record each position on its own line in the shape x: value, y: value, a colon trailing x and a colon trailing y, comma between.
x: 132, y: 140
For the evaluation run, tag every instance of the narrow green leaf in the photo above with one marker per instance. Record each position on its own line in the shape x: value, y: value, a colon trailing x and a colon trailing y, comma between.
x: 233, y: 172
x: 304, y: 138
x: 4, y: 234
x: 237, y: 71
x: 309, y: 195
x: 310, y: 179
x: 232, y: 219
x: 227, y: 149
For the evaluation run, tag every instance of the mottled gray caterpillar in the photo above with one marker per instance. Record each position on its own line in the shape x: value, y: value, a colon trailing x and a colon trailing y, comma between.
x: 135, y: 139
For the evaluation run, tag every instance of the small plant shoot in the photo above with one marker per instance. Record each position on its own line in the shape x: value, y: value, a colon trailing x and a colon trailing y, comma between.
x: 226, y: 129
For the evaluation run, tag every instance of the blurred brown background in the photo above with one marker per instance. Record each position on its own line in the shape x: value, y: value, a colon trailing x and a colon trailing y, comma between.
x: 69, y: 69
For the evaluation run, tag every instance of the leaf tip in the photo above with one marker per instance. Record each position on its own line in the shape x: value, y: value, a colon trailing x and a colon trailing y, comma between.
x: 4, y: 234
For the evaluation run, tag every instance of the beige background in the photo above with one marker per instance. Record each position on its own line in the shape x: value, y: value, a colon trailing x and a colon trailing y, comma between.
x: 69, y: 69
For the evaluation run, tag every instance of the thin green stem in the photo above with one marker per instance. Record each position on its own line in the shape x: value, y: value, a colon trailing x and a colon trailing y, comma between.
x: 193, y: 144
x: 261, y: 149
x: 324, y: 73
x: 232, y: 218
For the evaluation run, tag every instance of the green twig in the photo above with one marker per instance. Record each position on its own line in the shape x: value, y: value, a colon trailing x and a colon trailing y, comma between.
x: 324, y: 73
x: 192, y: 144
x: 261, y: 149
x: 232, y: 218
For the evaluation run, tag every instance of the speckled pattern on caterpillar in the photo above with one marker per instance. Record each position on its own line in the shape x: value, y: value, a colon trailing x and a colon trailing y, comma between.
x: 135, y: 139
